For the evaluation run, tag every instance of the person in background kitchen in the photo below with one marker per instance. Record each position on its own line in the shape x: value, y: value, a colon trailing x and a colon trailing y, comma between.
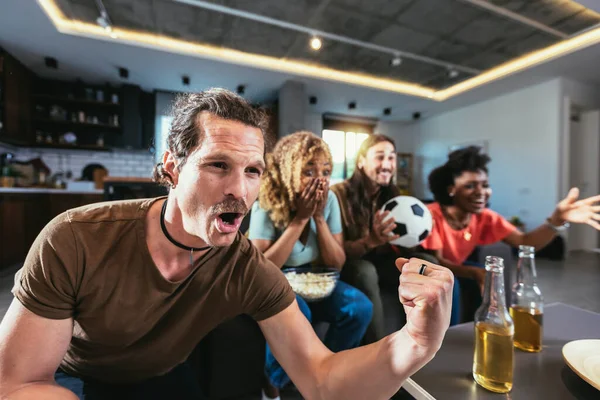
x: 462, y: 221
x: 296, y: 223
x: 113, y: 297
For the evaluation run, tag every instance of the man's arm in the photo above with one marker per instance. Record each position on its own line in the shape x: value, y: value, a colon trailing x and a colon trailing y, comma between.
x: 31, y: 349
x: 375, y: 371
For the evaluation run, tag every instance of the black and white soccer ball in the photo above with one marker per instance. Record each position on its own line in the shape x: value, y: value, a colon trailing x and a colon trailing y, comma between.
x: 413, y: 220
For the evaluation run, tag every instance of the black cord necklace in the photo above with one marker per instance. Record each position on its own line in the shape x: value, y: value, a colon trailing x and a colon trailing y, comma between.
x: 175, y: 242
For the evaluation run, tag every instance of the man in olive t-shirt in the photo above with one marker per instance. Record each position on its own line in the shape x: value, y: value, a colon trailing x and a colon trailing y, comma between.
x: 117, y: 294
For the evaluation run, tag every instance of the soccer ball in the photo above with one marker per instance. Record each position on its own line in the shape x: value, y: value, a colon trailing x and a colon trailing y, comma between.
x: 413, y: 220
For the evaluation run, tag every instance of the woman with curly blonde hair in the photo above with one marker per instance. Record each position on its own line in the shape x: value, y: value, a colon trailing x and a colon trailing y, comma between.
x: 297, y: 222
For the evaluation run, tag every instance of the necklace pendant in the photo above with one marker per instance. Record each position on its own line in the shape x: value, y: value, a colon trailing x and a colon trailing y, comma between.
x: 468, y: 236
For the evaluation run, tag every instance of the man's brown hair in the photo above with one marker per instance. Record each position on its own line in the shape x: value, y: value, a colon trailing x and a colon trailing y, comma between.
x: 186, y: 134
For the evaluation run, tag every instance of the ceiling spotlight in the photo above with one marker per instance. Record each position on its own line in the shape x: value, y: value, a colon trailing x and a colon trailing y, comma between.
x: 352, y: 105
x: 315, y: 43
x: 185, y: 80
x: 312, y: 99
x: 104, y: 22
x: 387, y: 111
x: 396, y: 61
x: 123, y: 73
x: 452, y: 73
x: 241, y: 89
x: 51, y: 62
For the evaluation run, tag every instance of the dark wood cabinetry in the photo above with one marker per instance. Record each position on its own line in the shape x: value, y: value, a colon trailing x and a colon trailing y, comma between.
x: 24, y: 215
x: 15, y: 100
x: 36, y: 112
x: 76, y: 114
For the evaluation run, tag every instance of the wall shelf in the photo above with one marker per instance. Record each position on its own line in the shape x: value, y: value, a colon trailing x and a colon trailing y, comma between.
x: 83, y: 102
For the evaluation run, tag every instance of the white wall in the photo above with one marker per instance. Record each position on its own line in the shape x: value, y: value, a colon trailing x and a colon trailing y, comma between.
x: 585, y: 95
x: 403, y: 133
x: 522, y: 130
x: 313, y: 122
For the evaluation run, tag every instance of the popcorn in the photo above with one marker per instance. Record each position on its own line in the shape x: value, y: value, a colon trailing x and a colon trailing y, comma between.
x: 311, y: 286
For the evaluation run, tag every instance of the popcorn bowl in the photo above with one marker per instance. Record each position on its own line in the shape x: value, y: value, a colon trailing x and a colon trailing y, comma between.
x: 312, y: 283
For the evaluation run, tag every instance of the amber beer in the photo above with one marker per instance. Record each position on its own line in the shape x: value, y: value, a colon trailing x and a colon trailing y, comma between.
x: 494, y: 330
x: 493, y: 366
x: 527, y: 304
x: 528, y: 328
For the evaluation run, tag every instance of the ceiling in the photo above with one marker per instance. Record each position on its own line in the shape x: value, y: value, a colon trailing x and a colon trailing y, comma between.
x: 27, y: 32
x: 449, y: 31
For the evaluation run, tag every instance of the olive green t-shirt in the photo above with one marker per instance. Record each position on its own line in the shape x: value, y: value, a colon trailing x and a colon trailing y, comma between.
x: 92, y: 264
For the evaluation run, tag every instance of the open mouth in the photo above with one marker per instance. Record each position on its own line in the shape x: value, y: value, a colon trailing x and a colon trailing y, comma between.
x: 478, y: 202
x: 229, y: 218
x: 229, y: 222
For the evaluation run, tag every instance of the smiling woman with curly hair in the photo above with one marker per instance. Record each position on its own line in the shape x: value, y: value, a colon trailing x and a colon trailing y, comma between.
x: 297, y: 222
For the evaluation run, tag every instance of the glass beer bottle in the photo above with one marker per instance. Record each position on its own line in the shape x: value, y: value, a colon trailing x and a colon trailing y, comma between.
x: 527, y: 307
x: 493, y: 360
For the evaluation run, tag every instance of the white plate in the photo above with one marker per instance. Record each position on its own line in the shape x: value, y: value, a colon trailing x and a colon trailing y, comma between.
x: 583, y: 357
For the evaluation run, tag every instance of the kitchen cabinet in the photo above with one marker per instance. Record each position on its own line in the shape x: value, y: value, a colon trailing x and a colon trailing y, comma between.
x: 23, y: 216
x: 15, y: 100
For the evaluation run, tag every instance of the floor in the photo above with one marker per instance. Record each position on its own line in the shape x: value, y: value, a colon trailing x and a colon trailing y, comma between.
x: 574, y: 281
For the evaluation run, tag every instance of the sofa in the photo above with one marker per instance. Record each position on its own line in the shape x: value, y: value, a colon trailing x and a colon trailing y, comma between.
x: 231, y: 357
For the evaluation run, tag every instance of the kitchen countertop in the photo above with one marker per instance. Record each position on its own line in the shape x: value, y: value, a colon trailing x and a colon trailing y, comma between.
x: 25, y: 190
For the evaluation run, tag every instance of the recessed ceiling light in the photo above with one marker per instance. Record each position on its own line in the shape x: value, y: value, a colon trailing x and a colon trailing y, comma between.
x: 452, y: 73
x: 51, y: 62
x: 387, y: 111
x: 123, y: 73
x: 396, y: 61
x: 315, y: 43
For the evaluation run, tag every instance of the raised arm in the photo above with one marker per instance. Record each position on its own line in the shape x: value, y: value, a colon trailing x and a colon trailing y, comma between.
x: 375, y: 371
x: 586, y: 211
x: 31, y: 349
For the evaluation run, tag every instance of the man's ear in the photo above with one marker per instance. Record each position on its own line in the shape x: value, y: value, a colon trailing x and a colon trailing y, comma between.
x: 170, y: 167
x: 361, y: 162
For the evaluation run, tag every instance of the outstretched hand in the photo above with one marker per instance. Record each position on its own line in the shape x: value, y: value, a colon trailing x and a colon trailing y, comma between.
x: 586, y: 211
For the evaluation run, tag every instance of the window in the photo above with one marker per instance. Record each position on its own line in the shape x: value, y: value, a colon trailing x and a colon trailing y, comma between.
x: 344, y: 146
x: 161, y: 134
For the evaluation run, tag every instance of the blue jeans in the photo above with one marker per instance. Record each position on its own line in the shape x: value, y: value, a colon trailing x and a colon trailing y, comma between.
x: 180, y: 383
x: 349, y: 313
